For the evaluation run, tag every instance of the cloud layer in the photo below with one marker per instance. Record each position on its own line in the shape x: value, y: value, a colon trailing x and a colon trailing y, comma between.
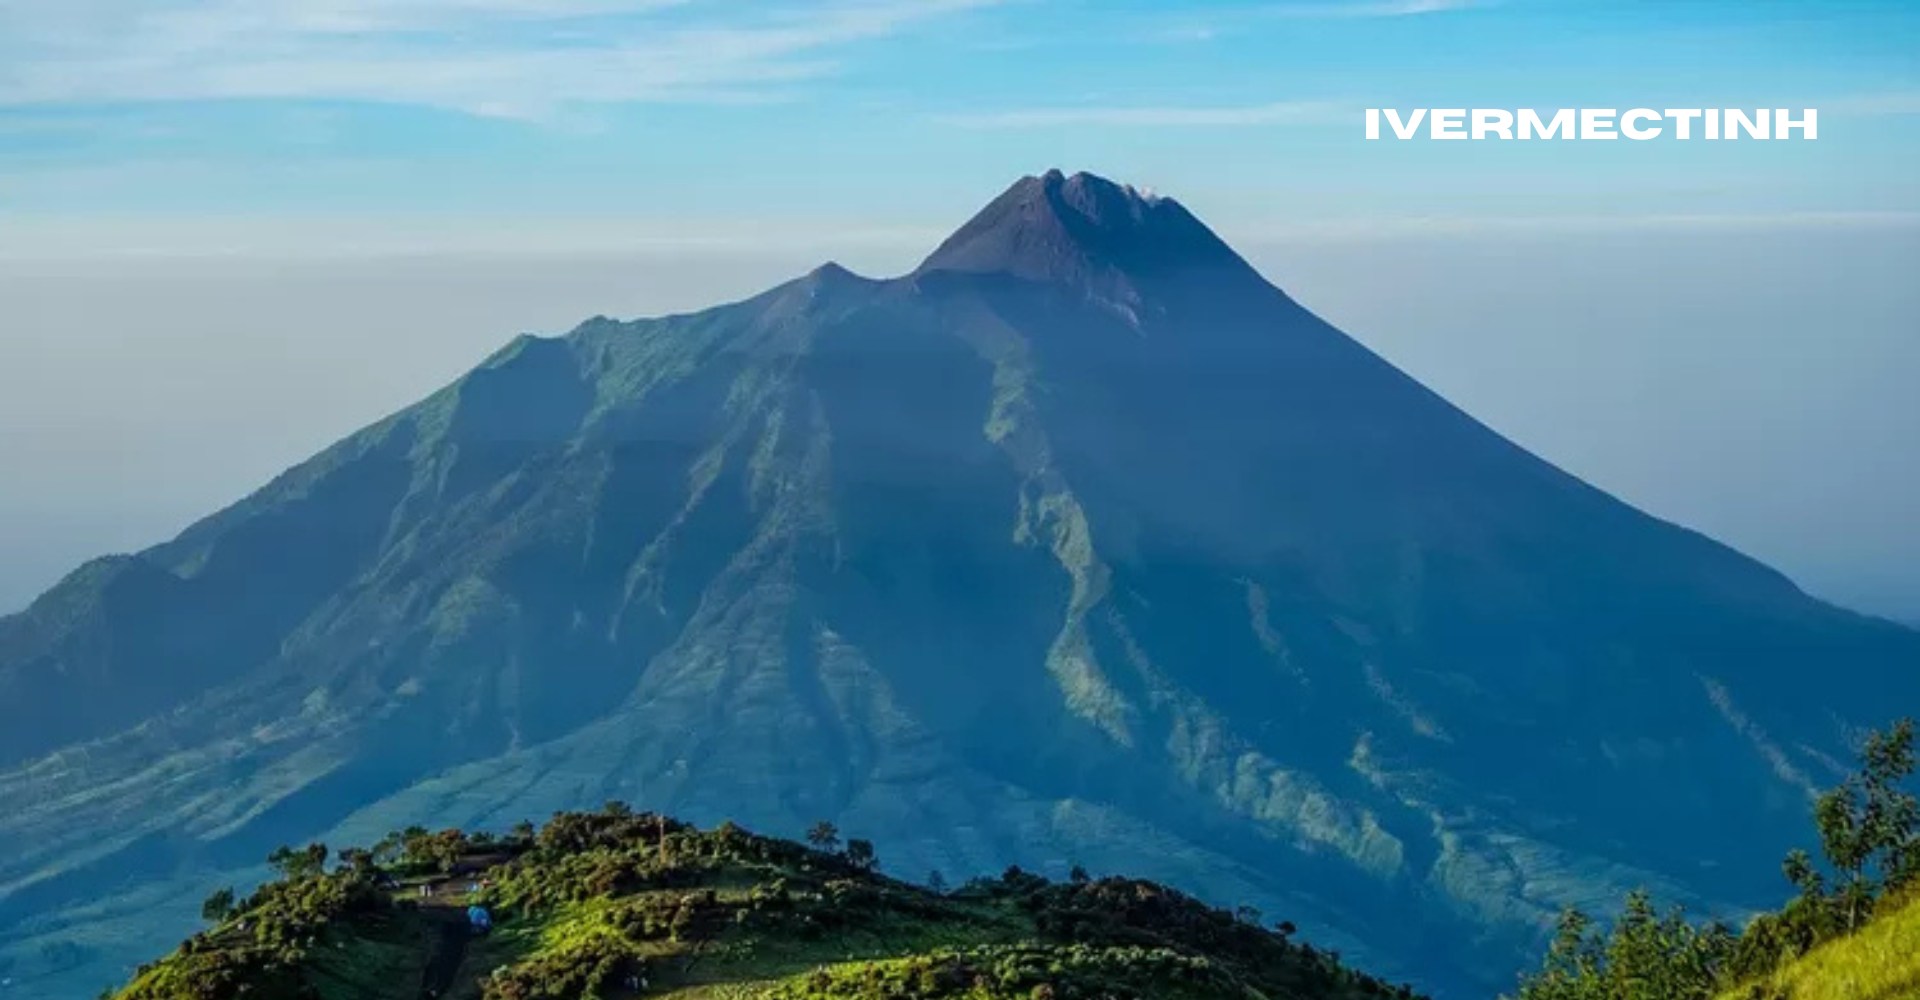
x: 492, y: 57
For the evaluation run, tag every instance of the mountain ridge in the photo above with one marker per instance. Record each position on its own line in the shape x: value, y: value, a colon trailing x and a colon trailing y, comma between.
x: 1043, y: 556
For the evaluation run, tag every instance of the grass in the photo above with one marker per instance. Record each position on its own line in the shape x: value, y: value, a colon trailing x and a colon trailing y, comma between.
x: 598, y: 901
x: 365, y: 964
x: 741, y: 964
x: 505, y: 946
x: 771, y: 958
x: 1881, y: 962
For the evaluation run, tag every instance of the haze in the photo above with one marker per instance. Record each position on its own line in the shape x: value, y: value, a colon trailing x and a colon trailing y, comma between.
x: 1749, y: 382
x: 231, y: 233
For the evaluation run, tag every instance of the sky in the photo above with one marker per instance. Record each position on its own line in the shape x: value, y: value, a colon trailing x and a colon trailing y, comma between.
x: 232, y: 231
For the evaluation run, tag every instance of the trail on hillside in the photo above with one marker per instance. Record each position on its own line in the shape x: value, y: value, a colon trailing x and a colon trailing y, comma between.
x: 446, y: 951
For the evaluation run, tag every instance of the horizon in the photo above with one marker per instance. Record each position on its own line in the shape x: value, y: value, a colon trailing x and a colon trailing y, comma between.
x: 1841, y: 536
x: 200, y: 137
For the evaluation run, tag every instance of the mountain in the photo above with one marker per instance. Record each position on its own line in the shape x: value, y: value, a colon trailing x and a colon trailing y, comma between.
x: 619, y: 904
x: 1080, y: 543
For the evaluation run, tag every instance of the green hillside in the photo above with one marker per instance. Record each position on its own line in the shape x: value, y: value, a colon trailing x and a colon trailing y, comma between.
x: 1880, y: 962
x: 1851, y: 933
x: 616, y: 904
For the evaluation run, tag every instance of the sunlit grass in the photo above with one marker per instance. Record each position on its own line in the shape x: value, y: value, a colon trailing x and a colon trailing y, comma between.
x: 1880, y: 962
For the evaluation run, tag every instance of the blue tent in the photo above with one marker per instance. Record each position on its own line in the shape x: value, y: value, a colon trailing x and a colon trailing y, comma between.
x: 479, y: 918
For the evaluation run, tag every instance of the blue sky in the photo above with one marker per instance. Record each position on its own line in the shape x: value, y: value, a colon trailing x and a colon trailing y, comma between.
x: 904, y: 113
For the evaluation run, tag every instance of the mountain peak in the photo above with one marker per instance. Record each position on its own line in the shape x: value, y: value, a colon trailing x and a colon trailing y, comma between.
x: 1056, y: 227
x: 832, y: 272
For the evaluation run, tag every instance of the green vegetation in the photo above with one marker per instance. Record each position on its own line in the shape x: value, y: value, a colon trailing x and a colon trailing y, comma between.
x: 619, y: 904
x: 1879, y: 962
x: 1852, y: 933
x: 218, y: 906
x: 279, y: 943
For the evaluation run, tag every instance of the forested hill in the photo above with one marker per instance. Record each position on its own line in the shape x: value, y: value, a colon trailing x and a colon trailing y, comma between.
x: 617, y: 904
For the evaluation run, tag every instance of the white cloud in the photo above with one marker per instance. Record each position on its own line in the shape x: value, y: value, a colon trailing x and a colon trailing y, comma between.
x: 1151, y: 117
x: 488, y: 57
x: 1206, y: 26
x: 1373, y: 8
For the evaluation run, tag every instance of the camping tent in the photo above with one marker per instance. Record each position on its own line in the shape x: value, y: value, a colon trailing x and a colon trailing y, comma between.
x: 479, y: 918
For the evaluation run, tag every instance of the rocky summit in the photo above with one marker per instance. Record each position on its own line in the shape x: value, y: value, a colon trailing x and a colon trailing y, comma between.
x: 1080, y: 544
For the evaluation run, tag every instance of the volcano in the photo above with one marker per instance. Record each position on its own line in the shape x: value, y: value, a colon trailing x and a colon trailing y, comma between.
x: 1080, y: 544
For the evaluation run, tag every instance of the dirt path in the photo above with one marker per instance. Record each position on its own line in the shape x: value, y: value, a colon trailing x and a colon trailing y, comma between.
x: 446, y: 951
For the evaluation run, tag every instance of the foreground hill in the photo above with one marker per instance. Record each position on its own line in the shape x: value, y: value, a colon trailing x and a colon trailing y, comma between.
x: 1849, y: 932
x: 620, y: 905
x: 1878, y: 962
x: 1082, y: 542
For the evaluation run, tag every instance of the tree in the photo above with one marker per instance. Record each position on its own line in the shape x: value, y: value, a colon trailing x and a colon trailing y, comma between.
x: 824, y: 836
x: 937, y: 882
x: 1079, y: 876
x: 1867, y: 830
x: 445, y: 849
x: 1645, y: 956
x: 356, y: 860
x: 1572, y: 970
x: 1247, y: 914
x: 862, y: 855
x: 415, y: 846
x: 389, y: 849
x: 1798, y: 868
x: 217, y: 907
x: 298, y: 863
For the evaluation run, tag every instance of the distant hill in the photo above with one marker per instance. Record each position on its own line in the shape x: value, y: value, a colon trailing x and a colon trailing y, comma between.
x: 619, y: 905
x: 1080, y: 543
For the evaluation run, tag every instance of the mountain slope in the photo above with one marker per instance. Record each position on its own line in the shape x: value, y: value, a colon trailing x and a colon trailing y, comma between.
x: 1881, y: 961
x: 617, y: 904
x: 1082, y: 542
